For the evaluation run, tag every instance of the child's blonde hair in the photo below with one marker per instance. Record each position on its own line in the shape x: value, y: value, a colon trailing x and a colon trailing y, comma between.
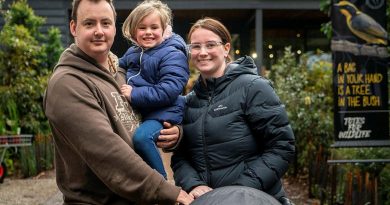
x: 142, y: 10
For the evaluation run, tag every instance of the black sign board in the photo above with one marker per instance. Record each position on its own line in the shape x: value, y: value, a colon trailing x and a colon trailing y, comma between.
x: 360, y: 81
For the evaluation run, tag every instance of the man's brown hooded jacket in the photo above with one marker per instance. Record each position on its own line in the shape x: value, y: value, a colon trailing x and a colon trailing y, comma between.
x: 92, y: 125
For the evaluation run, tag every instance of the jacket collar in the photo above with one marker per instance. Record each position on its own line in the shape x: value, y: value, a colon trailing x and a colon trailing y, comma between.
x: 243, y: 65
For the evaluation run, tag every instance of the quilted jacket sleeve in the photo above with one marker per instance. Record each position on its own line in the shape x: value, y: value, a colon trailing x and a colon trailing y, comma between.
x: 184, y: 174
x: 268, y: 120
x: 174, y: 74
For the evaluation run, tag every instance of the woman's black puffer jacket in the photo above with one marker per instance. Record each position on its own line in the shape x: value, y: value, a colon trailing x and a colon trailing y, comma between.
x: 236, y: 132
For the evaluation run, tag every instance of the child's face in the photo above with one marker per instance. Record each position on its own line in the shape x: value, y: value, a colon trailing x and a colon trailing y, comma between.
x: 149, y: 31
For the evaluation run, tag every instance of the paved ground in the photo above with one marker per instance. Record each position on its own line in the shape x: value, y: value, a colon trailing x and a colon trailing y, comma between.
x: 42, y: 189
x: 32, y: 191
x: 55, y: 199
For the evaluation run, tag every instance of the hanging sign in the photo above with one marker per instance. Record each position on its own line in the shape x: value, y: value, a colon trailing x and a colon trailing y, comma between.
x: 360, y: 81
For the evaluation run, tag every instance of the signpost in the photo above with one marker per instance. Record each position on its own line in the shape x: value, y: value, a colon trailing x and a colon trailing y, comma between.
x: 360, y: 81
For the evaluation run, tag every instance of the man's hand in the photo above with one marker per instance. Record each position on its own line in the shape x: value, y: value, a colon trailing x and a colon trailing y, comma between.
x: 168, y: 136
x: 199, y: 191
x: 184, y: 198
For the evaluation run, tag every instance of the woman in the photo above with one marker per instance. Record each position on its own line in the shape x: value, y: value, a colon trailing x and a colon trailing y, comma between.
x: 236, y: 130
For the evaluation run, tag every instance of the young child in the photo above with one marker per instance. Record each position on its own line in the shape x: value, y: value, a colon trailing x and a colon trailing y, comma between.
x: 157, y: 72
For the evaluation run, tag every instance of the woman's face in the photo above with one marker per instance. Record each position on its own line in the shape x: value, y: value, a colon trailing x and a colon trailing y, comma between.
x: 208, y: 54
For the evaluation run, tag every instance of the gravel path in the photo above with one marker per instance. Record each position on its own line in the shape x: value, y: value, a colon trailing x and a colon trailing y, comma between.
x: 39, y: 190
x: 42, y: 189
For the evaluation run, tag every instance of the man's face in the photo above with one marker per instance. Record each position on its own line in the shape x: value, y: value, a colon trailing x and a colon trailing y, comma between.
x: 94, y: 30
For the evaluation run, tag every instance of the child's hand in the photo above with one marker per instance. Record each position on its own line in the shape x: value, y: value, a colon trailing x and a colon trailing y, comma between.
x: 126, y: 91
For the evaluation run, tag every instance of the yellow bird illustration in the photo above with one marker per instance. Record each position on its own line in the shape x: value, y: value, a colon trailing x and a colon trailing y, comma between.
x: 362, y: 25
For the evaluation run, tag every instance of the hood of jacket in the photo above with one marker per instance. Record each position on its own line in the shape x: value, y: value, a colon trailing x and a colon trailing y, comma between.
x: 243, y: 65
x: 74, y: 57
x: 174, y: 40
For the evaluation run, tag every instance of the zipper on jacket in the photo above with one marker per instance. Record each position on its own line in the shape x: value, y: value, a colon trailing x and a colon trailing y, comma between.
x: 205, y: 151
x: 140, y: 61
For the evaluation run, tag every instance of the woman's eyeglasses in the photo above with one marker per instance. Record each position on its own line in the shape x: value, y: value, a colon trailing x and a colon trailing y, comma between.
x: 210, y: 45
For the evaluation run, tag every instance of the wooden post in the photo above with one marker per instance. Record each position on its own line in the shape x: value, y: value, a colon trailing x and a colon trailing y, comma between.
x: 333, y: 185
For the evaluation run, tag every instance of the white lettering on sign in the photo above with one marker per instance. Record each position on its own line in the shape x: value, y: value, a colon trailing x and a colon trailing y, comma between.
x: 354, y: 131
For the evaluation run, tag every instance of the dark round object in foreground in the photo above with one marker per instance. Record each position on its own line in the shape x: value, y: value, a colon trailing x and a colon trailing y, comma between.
x: 3, y: 172
x: 235, y: 195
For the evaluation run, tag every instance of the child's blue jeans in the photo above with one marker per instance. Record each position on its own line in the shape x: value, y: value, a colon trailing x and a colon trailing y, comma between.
x: 144, y: 141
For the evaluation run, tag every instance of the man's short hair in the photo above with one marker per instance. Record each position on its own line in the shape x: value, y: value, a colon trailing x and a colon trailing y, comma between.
x: 76, y: 3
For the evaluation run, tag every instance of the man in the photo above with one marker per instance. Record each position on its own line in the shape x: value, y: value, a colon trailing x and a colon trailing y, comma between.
x: 92, y: 124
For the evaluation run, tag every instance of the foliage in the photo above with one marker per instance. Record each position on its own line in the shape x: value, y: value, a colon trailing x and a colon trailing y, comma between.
x: 380, y: 170
x: 53, y: 47
x: 26, y: 58
x: 28, y: 164
x: 305, y: 89
x: 1, y: 4
x: 364, y: 153
x: 384, y: 181
x: 13, y: 121
x: 388, y: 14
x: 326, y: 28
x: 21, y: 14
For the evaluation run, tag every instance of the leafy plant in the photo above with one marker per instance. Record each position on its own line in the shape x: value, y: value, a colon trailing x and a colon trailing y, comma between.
x: 379, y: 170
x: 326, y: 28
x: 13, y: 120
x: 305, y: 88
x: 26, y: 58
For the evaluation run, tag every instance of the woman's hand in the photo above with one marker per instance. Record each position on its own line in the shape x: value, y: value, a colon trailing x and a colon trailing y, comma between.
x: 184, y: 198
x: 168, y: 136
x: 199, y: 191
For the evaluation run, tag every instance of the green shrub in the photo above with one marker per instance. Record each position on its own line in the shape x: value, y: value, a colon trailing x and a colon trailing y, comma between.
x: 27, y: 57
x: 378, y: 170
x: 306, y: 91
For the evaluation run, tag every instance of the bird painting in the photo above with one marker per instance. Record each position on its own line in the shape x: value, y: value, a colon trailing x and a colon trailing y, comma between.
x: 362, y: 25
